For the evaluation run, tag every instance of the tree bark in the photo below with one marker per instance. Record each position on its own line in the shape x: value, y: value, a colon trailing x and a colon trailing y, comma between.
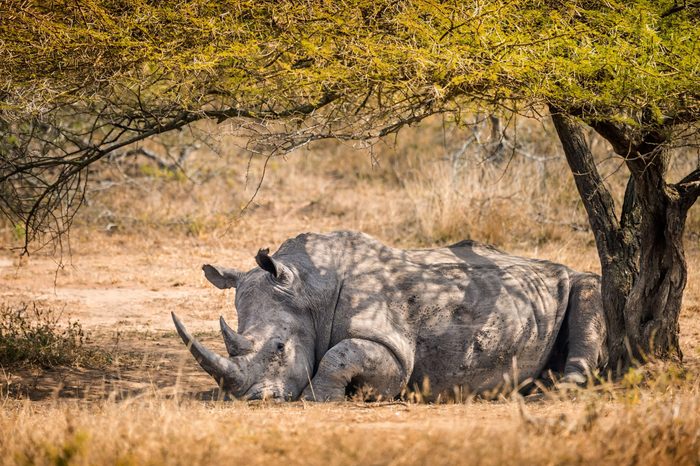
x: 642, y: 258
x: 653, y: 304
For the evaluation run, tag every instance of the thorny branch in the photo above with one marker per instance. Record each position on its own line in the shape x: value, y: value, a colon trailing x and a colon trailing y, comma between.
x: 45, y: 162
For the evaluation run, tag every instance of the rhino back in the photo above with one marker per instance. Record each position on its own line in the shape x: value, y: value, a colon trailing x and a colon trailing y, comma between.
x: 498, y: 318
x: 457, y: 315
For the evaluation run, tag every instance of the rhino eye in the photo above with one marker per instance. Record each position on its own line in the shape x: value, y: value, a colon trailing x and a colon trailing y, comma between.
x: 280, y: 347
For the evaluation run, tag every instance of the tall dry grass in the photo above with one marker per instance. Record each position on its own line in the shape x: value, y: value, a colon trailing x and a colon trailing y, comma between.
x: 663, y: 430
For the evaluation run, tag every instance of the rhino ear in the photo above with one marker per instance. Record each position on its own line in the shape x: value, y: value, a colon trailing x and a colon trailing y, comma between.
x: 273, y: 266
x: 222, y: 277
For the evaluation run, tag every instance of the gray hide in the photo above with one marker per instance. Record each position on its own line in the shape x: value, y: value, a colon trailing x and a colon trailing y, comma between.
x: 327, y: 313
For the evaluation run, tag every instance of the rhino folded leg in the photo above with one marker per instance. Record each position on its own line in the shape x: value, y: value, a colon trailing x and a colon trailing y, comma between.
x: 587, y: 334
x: 358, y: 362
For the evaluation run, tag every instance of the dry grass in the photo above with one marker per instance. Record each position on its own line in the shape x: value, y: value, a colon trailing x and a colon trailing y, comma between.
x: 136, y: 251
x: 662, y: 430
x: 37, y: 336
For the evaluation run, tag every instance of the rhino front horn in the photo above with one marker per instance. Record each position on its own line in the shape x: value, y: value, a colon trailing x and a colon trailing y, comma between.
x: 222, y: 369
x: 236, y: 345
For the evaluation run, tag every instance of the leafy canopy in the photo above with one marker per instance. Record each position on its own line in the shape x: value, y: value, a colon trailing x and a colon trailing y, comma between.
x: 81, y: 80
x: 264, y: 58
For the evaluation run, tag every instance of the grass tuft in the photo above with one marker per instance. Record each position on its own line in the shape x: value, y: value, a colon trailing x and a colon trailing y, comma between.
x: 33, y: 335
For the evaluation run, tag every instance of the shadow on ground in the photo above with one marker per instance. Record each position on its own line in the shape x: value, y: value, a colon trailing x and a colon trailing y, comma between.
x: 141, y: 367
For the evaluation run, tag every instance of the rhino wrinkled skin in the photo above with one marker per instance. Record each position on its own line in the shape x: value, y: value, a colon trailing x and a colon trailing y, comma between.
x: 329, y: 312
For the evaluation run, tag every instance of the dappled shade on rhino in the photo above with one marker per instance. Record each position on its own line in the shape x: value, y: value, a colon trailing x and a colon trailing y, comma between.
x: 329, y: 313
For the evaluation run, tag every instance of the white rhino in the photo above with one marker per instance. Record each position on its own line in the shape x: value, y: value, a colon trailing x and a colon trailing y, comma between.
x: 328, y: 313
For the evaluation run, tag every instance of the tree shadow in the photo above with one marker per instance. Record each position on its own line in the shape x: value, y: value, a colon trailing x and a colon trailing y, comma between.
x: 146, y: 369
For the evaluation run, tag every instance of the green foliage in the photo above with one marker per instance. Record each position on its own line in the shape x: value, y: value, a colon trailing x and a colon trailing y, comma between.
x: 19, y: 232
x: 268, y: 56
x: 80, y: 80
x: 33, y: 335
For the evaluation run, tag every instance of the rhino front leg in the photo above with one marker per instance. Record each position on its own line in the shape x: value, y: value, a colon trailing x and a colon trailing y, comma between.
x: 356, y: 362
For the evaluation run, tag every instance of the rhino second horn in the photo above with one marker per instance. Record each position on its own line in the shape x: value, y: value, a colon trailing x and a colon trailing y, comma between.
x: 218, y: 367
x: 236, y: 345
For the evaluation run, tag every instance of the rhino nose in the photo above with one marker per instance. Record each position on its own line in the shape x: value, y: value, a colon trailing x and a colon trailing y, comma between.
x: 271, y: 397
x: 266, y: 393
x: 276, y: 396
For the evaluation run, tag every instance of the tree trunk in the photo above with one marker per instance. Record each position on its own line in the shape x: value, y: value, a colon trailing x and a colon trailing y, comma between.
x: 653, y: 304
x: 642, y: 258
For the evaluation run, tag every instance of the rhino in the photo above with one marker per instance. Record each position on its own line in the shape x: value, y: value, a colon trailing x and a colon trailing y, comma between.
x: 329, y: 313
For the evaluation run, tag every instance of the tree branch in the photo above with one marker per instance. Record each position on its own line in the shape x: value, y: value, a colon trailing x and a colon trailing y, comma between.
x: 676, y: 8
x: 596, y: 198
x: 630, y: 217
x: 301, y: 110
x: 689, y: 188
x: 637, y: 146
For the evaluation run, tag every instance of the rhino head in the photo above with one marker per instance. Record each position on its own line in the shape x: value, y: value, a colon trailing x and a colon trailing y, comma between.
x: 272, y: 354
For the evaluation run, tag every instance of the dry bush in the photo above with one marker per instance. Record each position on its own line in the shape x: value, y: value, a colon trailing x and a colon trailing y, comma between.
x: 448, y: 207
x: 35, y: 335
